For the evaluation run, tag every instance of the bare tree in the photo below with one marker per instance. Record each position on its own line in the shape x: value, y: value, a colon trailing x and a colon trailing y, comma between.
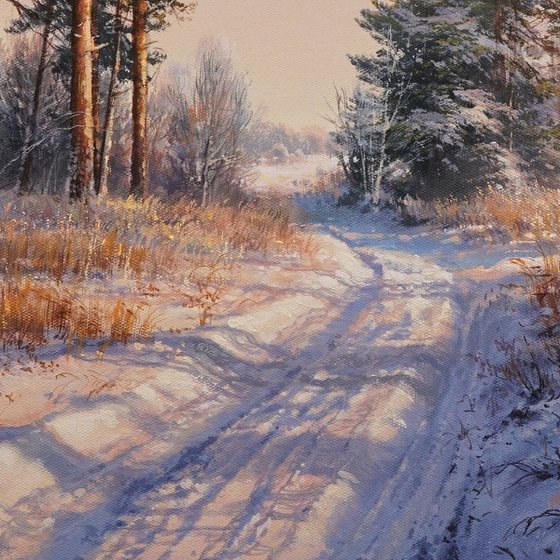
x: 24, y: 178
x: 210, y: 123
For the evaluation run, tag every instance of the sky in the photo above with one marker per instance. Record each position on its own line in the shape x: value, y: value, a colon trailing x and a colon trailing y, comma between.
x: 293, y: 51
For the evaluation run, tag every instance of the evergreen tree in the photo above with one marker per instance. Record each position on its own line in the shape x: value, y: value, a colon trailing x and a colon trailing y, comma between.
x: 81, y: 178
x: 437, y: 132
x: 524, y: 82
x: 463, y: 87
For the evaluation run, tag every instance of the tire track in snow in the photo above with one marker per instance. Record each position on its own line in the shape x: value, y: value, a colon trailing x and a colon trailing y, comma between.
x: 269, y: 491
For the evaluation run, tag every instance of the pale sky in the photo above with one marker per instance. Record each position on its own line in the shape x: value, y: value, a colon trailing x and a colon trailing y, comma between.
x: 294, y: 51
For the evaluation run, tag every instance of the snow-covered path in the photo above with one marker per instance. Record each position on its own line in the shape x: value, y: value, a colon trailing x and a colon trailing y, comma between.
x: 344, y: 457
x: 302, y: 473
x: 319, y: 423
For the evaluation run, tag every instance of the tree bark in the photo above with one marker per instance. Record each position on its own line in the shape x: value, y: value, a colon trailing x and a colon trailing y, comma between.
x: 95, y: 91
x: 81, y: 101
x: 26, y: 168
x: 105, y: 144
x: 138, y: 174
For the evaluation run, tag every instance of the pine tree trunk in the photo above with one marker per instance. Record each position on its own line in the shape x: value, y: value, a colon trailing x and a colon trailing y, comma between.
x: 101, y: 186
x: 138, y: 173
x: 81, y: 101
x: 95, y: 91
x: 24, y: 179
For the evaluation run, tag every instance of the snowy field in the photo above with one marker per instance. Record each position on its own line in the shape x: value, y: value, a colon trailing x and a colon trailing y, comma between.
x: 295, y: 176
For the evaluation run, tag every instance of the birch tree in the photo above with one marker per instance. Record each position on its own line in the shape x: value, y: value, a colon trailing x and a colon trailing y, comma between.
x: 393, y: 88
x: 365, y: 122
x: 355, y: 139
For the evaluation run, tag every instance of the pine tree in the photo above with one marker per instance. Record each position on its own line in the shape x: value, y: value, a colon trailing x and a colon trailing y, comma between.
x: 465, y: 92
x: 111, y: 51
x: 138, y: 174
x: 436, y: 132
x: 106, y: 132
x: 523, y: 35
x: 146, y: 16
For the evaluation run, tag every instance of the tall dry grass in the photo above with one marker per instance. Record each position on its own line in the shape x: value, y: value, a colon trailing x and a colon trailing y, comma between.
x: 31, y: 312
x: 247, y: 226
x: 64, y: 267
x: 543, y: 287
x: 68, y: 251
x: 533, y: 360
x: 530, y: 212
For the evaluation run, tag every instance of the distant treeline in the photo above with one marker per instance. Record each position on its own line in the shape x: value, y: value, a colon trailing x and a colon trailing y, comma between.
x: 276, y: 142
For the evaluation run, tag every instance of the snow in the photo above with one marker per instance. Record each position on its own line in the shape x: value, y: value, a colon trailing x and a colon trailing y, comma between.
x: 292, y: 176
x: 338, y: 413
x: 103, y: 433
x: 32, y: 475
x: 268, y: 324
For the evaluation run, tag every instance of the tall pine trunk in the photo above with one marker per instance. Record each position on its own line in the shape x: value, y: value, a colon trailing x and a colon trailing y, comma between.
x: 138, y: 173
x: 106, y: 138
x: 95, y: 90
x: 24, y: 178
x: 81, y: 101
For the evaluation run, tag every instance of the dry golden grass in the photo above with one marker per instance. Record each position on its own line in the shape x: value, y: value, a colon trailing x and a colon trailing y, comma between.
x: 64, y: 251
x: 30, y: 312
x: 107, y: 231
x: 249, y: 226
x: 533, y: 362
x: 531, y: 212
x: 133, y: 244
x: 543, y: 286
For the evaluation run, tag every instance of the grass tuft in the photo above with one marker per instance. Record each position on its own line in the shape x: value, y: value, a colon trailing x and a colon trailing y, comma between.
x: 31, y: 312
